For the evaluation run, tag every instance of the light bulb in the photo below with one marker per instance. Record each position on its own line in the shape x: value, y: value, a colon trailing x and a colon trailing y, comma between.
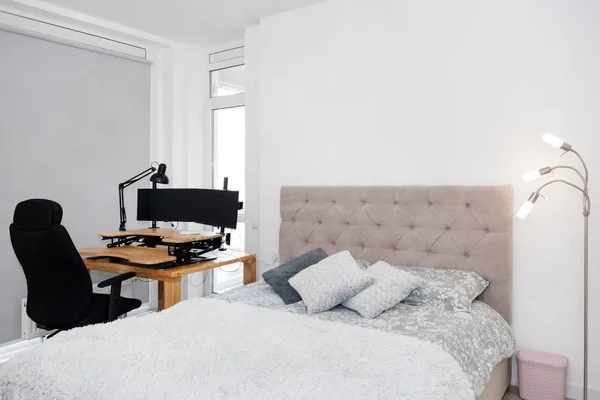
x: 524, y: 210
x: 527, y: 206
x: 531, y: 175
x: 552, y: 140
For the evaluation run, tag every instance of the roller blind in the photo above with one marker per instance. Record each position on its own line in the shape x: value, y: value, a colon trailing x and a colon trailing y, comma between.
x: 73, y: 124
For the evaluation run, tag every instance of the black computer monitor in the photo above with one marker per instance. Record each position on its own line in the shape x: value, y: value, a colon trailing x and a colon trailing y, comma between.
x: 205, y: 206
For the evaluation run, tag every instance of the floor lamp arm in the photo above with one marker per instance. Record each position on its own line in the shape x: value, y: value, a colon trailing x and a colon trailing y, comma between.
x: 584, y: 168
x: 583, y: 180
x: 587, y: 204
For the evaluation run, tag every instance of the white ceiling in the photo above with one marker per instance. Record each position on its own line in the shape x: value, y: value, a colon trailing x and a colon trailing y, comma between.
x: 203, y: 22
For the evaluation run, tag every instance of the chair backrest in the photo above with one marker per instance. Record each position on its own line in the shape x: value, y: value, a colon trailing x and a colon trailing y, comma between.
x: 59, y: 288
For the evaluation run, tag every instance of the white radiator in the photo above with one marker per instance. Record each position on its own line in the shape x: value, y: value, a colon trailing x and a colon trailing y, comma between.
x: 126, y: 288
x: 29, y: 329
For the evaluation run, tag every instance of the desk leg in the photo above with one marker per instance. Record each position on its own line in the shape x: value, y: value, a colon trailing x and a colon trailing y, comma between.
x: 169, y: 293
x: 250, y: 271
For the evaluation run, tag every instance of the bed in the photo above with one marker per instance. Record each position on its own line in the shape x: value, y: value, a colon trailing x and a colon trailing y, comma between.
x: 460, y: 227
x: 247, y: 344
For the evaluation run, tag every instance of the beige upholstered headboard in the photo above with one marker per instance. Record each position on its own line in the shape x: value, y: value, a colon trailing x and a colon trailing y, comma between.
x: 462, y: 227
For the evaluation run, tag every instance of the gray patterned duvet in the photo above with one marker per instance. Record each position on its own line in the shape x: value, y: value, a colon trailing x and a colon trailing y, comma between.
x: 478, y: 340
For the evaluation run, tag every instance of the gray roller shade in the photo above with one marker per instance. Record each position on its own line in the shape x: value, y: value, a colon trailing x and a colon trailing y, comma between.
x: 73, y: 124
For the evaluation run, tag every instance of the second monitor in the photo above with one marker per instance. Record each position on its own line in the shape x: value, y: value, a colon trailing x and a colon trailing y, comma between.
x: 205, y: 206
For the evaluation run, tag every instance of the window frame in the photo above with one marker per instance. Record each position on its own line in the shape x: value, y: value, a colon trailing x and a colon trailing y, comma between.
x: 210, y: 78
x: 214, y: 104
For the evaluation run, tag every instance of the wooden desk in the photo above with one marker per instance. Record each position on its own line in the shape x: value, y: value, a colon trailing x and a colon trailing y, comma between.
x: 169, y: 280
x: 133, y: 254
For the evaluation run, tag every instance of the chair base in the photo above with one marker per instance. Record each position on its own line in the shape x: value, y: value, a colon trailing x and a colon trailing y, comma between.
x: 98, y: 312
x: 50, y: 336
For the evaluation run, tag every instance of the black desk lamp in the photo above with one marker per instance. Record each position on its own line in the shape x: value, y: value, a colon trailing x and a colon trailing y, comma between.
x: 158, y: 177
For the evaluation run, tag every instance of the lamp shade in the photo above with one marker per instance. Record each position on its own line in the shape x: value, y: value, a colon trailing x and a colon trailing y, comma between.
x: 527, y: 206
x: 552, y: 140
x: 531, y: 175
x: 524, y: 210
x: 159, y: 176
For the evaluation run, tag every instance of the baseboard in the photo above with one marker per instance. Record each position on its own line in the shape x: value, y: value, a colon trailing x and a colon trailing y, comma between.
x: 10, y: 349
x: 574, y: 391
x: 141, y: 310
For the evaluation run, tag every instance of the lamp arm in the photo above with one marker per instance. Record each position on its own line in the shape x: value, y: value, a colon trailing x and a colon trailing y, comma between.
x: 136, y: 178
x: 122, y: 186
x: 588, y: 203
x: 584, y: 168
x: 122, y: 213
x: 571, y: 168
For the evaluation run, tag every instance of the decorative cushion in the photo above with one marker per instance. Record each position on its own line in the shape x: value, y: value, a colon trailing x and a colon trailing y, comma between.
x: 450, y: 289
x: 363, y: 264
x: 330, y: 282
x: 278, y: 277
x: 390, y: 287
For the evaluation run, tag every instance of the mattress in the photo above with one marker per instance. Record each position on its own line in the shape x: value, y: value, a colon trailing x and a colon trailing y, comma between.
x: 478, y: 340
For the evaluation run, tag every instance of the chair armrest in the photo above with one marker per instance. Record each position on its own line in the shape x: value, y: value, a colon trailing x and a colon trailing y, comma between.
x: 116, y: 279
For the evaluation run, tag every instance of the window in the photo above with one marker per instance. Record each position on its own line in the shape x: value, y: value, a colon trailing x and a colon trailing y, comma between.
x: 228, y: 151
x: 229, y: 160
x: 227, y: 81
x: 229, y: 148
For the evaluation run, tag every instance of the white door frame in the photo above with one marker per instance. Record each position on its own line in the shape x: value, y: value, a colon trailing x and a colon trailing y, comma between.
x: 234, y: 50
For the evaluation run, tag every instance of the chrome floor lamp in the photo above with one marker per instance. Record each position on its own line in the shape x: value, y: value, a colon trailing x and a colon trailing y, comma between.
x: 528, y: 205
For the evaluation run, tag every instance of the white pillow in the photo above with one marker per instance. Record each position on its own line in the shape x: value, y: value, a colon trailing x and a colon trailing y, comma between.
x: 391, y: 286
x: 330, y: 282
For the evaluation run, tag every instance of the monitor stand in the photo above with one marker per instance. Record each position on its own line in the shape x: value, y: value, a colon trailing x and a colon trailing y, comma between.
x: 202, y: 258
x: 196, y: 255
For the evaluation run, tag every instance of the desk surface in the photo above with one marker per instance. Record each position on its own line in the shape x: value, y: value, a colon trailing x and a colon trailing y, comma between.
x: 134, y: 254
x: 230, y: 257
x: 172, y: 236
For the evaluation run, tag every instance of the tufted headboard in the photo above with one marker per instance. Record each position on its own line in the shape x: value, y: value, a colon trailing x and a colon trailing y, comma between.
x: 462, y: 227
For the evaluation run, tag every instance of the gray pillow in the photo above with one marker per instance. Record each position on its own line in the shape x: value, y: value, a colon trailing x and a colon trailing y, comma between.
x: 278, y: 277
x: 330, y: 282
x: 391, y: 286
x: 450, y: 289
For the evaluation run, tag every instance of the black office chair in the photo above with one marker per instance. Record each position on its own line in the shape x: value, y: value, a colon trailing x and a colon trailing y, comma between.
x: 59, y: 288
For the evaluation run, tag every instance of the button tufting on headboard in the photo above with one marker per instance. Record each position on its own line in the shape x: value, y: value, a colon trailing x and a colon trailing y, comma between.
x: 462, y: 227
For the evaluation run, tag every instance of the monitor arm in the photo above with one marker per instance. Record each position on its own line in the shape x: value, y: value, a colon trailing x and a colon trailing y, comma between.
x: 225, y: 185
x: 227, y: 236
x: 122, y: 186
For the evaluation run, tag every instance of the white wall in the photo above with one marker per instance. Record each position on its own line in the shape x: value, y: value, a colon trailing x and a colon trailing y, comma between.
x: 179, y: 114
x: 387, y: 92
x: 252, y: 49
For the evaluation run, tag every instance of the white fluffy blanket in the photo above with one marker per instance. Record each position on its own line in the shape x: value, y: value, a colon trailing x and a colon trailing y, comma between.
x: 211, y: 349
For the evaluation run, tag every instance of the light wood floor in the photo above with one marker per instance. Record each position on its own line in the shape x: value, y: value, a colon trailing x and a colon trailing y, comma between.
x: 514, y: 395
x: 511, y: 396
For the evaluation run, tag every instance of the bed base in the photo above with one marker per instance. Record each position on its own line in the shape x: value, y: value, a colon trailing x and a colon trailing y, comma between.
x: 498, y: 383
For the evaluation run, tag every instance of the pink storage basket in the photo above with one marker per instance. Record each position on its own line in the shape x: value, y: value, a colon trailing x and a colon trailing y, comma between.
x: 542, y: 376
